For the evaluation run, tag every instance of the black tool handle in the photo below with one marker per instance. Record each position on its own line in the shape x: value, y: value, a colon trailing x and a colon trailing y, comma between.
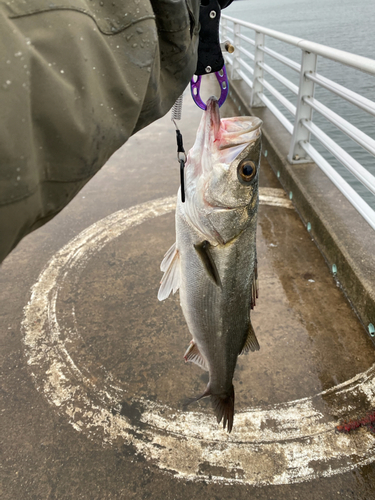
x: 210, y: 57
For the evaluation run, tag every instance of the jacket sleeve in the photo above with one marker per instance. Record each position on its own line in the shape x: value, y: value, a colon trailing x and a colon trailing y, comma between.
x: 78, y: 78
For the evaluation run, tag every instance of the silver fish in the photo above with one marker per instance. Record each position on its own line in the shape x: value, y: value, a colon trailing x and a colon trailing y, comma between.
x: 213, y: 262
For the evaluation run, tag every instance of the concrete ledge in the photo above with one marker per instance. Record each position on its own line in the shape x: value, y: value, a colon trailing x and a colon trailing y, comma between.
x: 342, y: 235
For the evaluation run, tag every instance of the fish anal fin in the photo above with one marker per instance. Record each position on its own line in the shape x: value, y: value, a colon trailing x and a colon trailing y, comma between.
x: 251, y: 342
x: 171, y: 279
x: 223, y: 406
x: 203, y: 250
x: 193, y: 355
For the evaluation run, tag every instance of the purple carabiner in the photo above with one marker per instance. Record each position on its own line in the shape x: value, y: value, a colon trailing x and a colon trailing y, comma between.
x: 195, y: 86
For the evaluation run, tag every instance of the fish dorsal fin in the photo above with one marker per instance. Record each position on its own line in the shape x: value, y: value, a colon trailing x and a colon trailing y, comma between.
x: 203, y: 250
x: 251, y: 342
x: 172, y: 275
x: 193, y: 355
x: 254, y: 286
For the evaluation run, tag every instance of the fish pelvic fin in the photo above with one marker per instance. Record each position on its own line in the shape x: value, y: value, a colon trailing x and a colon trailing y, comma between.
x: 193, y: 355
x: 203, y: 250
x: 171, y: 279
x: 223, y: 406
x: 251, y: 342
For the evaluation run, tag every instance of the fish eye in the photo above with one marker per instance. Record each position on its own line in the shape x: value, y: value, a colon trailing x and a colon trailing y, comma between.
x: 246, y: 171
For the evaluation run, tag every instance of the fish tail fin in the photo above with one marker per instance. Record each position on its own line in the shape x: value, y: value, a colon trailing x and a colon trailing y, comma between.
x: 223, y: 405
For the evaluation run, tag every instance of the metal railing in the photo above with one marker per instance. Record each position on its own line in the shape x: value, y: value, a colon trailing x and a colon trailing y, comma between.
x: 248, y: 63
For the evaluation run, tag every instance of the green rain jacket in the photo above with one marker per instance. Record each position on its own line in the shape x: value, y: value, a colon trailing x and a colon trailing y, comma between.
x: 77, y: 79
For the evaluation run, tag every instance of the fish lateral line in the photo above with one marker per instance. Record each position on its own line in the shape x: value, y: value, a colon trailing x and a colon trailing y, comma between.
x: 203, y: 251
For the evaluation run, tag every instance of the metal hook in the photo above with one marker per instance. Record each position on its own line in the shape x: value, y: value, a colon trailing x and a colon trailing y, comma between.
x: 195, y: 85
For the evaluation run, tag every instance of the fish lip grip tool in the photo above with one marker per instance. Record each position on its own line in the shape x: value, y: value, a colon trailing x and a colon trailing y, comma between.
x: 195, y: 85
x: 210, y: 57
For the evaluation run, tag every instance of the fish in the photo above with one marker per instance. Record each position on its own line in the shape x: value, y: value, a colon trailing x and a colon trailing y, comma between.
x: 213, y: 262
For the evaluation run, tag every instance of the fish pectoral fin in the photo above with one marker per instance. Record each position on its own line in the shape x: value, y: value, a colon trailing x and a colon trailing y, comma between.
x: 171, y: 280
x: 168, y: 258
x: 203, y: 250
x: 251, y: 342
x: 193, y: 355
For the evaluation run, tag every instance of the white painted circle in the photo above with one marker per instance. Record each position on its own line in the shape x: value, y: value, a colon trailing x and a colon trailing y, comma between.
x: 288, y: 443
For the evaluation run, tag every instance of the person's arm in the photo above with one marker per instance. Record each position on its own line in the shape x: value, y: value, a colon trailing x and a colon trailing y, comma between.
x: 75, y: 85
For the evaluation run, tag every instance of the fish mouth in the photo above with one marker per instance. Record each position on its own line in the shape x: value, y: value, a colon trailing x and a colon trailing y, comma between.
x: 230, y: 132
x: 241, y: 130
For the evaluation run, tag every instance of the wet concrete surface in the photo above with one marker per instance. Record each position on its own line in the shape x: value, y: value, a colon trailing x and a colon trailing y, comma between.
x: 123, y: 349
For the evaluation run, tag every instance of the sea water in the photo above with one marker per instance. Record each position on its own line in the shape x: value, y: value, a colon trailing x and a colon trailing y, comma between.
x: 343, y: 24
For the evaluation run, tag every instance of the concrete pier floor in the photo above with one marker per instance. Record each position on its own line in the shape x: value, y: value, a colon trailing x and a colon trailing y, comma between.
x: 92, y: 370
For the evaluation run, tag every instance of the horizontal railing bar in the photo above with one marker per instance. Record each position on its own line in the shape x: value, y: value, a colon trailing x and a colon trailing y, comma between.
x: 348, y: 95
x: 245, y: 78
x: 352, y: 196
x: 228, y: 39
x: 287, y: 83
x: 338, y: 152
x: 246, y: 39
x: 285, y: 60
x: 283, y: 100
x: 246, y: 52
x: 245, y: 65
x: 350, y: 130
x: 278, y: 114
x: 229, y: 58
x: 348, y: 59
x: 227, y: 28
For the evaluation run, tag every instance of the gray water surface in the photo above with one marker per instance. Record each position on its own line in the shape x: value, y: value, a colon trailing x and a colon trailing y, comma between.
x: 342, y: 24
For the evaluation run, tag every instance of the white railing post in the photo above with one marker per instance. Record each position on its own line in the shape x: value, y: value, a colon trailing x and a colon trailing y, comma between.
x: 306, y: 89
x: 236, y: 55
x: 258, y: 72
x: 223, y: 28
